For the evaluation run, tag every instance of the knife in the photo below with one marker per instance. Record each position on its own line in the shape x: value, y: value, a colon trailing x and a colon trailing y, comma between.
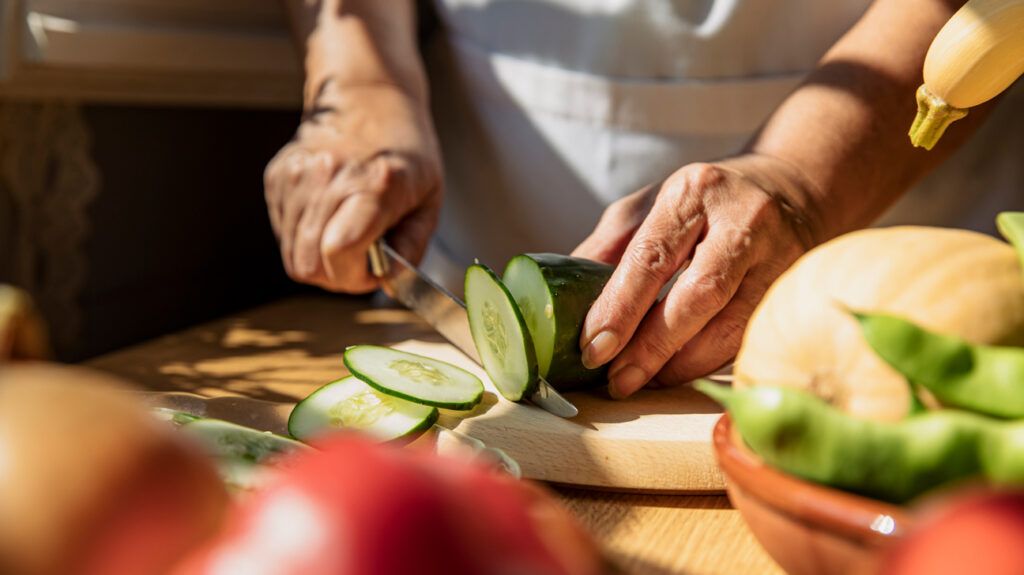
x: 446, y: 314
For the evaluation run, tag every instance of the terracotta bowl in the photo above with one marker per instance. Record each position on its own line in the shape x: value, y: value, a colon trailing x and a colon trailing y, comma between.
x: 807, y: 528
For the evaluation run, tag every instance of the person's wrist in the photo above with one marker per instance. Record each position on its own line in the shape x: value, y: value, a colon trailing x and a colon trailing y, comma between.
x: 366, y: 119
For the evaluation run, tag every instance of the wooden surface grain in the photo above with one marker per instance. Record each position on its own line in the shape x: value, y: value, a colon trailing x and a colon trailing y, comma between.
x: 280, y: 352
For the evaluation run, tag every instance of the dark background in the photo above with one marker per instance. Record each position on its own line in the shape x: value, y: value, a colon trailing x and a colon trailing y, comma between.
x: 180, y: 232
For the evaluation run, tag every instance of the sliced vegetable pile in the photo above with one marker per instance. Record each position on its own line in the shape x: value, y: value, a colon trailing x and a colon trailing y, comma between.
x: 966, y: 415
x: 524, y: 328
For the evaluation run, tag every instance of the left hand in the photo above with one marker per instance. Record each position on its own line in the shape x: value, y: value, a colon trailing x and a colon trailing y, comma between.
x: 729, y: 229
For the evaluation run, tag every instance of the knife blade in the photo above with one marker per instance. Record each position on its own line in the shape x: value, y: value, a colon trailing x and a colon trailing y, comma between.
x: 446, y: 313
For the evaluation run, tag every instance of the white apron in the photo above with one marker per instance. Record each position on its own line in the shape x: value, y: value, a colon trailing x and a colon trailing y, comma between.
x: 548, y: 110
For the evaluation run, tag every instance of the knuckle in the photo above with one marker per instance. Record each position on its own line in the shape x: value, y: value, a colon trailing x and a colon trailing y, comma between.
x: 738, y: 241
x: 653, y: 258
x: 704, y: 175
x: 307, y: 239
x: 708, y: 292
x: 652, y: 352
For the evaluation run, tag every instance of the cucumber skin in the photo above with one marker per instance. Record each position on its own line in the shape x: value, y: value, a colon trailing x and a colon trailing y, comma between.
x: 531, y: 351
x: 574, y: 284
x: 454, y: 406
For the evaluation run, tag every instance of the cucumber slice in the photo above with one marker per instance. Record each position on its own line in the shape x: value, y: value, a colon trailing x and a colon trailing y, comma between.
x: 351, y: 404
x: 500, y: 334
x: 414, y: 377
x: 226, y: 440
x: 554, y: 293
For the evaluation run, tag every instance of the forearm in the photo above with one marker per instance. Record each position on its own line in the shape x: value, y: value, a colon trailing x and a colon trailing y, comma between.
x: 845, y: 130
x: 357, y: 44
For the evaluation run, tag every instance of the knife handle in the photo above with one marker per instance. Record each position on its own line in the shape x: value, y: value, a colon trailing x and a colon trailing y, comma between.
x: 378, y: 261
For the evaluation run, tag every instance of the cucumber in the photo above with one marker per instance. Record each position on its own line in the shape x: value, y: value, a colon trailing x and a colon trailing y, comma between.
x: 351, y: 404
x: 414, y: 377
x: 230, y: 441
x: 500, y: 334
x: 554, y: 294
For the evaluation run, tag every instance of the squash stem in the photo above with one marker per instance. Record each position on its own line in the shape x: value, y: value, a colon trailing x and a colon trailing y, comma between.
x: 934, y: 115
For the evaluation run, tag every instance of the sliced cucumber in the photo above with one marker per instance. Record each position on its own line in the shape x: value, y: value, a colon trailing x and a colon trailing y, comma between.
x: 226, y: 440
x: 554, y: 293
x: 500, y: 334
x: 414, y: 377
x: 351, y: 404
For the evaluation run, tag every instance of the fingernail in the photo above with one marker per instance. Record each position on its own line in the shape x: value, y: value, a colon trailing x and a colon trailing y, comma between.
x: 600, y: 349
x: 626, y: 381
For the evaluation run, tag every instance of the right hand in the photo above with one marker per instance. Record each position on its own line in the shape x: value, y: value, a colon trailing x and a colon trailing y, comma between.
x: 364, y: 166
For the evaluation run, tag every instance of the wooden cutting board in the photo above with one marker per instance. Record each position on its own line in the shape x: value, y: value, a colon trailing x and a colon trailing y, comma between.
x: 656, y: 441
x: 659, y: 440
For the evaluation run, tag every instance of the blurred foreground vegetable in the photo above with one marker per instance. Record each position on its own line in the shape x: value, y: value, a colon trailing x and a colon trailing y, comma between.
x: 361, y: 508
x: 89, y: 483
x: 980, y: 532
x: 974, y: 57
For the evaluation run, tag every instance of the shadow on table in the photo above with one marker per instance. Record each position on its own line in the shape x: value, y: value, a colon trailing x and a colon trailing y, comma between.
x: 634, y: 566
x: 279, y: 352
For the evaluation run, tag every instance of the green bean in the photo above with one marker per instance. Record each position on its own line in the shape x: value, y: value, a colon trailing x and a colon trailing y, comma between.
x: 800, y: 434
x: 1002, y: 454
x: 985, y: 379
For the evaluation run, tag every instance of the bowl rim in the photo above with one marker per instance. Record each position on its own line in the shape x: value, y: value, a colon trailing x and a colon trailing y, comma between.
x: 856, y: 517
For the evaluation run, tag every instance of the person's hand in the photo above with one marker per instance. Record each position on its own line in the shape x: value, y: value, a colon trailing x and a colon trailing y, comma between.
x: 361, y: 166
x: 728, y: 229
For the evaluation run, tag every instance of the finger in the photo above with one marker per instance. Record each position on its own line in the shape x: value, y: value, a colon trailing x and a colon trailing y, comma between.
x: 412, y: 234
x: 616, y: 227
x: 363, y: 217
x: 289, y: 223
x: 282, y: 173
x: 346, y: 241
x: 719, y: 265
x: 660, y: 246
x: 324, y: 199
x: 716, y: 345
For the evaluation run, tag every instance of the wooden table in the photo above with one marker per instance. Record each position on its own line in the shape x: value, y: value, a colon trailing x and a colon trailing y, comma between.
x: 282, y: 351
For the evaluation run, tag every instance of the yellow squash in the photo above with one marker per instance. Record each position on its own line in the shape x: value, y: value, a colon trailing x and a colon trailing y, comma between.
x: 974, y: 57
x: 951, y: 281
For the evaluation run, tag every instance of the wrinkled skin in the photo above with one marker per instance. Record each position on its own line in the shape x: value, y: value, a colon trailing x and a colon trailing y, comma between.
x: 361, y: 165
x: 728, y: 230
